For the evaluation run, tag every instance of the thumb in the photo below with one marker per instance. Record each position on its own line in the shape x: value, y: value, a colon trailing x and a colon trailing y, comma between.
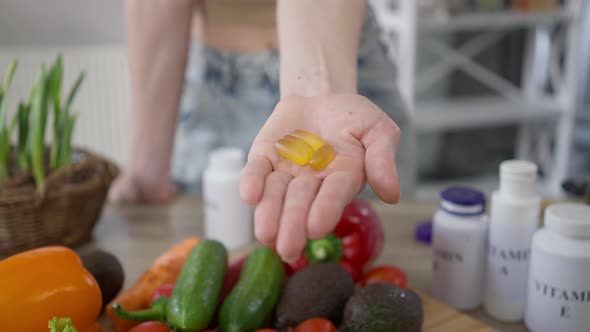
x: 380, y: 142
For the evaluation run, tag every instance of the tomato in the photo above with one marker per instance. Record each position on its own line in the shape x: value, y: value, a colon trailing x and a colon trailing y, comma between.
x: 150, y: 327
x: 164, y: 290
x: 268, y: 330
x: 388, y: 274
x: 316, y: 325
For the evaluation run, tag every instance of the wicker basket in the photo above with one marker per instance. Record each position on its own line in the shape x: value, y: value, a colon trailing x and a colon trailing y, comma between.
x: 62, y: 212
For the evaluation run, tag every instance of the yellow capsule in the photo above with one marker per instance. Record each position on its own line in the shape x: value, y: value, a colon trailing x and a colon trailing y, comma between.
x: 322, y: 157
x: 294, y: 149
x: 314, y: 140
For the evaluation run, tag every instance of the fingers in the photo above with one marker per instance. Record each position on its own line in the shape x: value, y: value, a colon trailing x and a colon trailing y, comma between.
x: 268, y: 212
x: 337, y: 190
x: 380, y: 145
x: 123, y: 191
x: 252, y: 179
x: 133, y: 191
x: 293, y: 230
x: 164, y: 195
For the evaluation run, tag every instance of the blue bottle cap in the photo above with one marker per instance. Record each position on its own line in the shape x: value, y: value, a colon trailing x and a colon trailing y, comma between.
x: 463, y: 201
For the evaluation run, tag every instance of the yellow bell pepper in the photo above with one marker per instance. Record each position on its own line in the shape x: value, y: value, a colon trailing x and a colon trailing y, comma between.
x: 43, y: 283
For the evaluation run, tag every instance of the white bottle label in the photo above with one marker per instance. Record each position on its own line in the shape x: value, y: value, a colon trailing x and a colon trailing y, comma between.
x: 227, y: 218
x: 507, y: 269
x: 458, y: 265
x: 558, y: 293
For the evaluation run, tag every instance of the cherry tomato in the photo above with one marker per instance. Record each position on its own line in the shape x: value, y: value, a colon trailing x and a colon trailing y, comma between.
x: 267, y: 330
x: 164, y: 290
x: 388, y: 274
x: 316, y: 325
x: 150, y: 327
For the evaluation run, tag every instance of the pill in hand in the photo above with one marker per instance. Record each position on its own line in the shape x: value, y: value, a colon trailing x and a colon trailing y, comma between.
x: 294, y: 149
x: 302, y: 147
x: 313, y: 140
x: 322, y: 157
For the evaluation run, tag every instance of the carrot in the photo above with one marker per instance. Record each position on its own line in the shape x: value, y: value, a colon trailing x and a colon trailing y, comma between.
x: 165, y: 269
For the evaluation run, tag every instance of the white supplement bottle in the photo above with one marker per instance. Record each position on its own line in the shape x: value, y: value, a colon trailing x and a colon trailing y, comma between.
x: 559, y: 278
x: 459, y: 243
x: 514, y: 218
x: 228, y: 218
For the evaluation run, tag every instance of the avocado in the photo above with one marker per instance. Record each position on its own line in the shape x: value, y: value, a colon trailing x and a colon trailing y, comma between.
x: 107, y: 271
x: 382, y: 307
x: 318, y: 290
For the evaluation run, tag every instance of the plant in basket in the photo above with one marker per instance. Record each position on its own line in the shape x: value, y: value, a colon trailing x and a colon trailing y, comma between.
x: 50, y: 193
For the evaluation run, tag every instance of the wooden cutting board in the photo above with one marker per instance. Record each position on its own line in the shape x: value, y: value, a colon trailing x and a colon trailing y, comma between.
x: 439, y: 317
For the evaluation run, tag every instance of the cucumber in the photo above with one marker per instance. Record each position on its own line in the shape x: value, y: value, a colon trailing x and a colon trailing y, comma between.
x: 193, y: 301
x: 252, y: 301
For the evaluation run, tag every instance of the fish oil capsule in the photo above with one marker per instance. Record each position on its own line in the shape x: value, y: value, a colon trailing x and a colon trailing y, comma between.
x: 322, y: 157
x: 294, y: 149
x: 313, y: 140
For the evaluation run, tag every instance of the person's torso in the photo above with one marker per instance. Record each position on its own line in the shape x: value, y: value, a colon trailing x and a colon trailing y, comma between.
x: 237, y: 25
x: 260, y: 13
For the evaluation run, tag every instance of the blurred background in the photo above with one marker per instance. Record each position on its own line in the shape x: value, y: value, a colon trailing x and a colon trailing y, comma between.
x: 485, y: 80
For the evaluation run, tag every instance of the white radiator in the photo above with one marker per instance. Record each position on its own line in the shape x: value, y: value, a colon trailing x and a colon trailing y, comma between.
x: 103, y: 102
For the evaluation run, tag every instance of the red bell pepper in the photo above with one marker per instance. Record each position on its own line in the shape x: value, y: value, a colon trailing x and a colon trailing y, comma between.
x: 356, y: 241
x: 231, y: 277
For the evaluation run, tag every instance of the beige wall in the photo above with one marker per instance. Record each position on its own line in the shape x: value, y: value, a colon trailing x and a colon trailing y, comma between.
x: 90, y: 33
x: 51, y: 22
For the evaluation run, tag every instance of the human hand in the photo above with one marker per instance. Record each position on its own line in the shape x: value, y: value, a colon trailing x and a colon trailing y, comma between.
x: 129, y: 188
x: 294, y: 202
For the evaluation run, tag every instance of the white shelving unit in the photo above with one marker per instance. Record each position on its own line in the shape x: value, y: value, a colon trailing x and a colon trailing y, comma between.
x: 549, y: 58
x: 493, y: 20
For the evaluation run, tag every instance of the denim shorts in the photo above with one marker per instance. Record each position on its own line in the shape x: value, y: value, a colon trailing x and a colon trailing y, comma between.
x: 227, y: 98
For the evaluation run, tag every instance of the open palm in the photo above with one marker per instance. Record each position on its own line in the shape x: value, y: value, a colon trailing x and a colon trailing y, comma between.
x: 295, y: 202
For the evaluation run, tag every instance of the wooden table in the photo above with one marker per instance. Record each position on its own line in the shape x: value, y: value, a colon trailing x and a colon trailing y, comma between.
x: 136, y: 235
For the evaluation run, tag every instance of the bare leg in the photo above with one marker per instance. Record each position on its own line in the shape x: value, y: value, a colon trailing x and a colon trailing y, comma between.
x: 158, y: 33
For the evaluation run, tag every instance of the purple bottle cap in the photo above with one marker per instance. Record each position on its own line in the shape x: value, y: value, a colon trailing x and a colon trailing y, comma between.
x: 463, y: 201
x: 423, y: 232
